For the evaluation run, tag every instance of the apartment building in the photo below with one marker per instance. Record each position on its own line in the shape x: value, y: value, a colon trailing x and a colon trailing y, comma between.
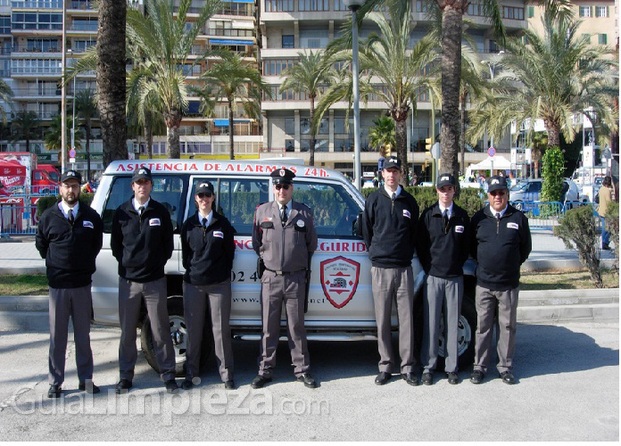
x: 289, y: 27
x: 31, y: 63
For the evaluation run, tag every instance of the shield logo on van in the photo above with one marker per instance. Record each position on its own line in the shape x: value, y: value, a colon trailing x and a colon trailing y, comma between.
x: 339, y: 280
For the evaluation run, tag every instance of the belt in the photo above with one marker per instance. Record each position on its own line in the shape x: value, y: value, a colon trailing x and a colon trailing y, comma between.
x: 283, y: 273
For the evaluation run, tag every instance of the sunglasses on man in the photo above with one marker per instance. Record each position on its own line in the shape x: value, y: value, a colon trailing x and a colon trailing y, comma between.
x: 205, y: 194
x: 282, y: 186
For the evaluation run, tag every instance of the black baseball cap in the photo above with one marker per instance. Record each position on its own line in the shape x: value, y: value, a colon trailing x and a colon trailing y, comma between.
x: 142, y: 174
x: 71, y: 175
x: 497, y: 183
x: 445, y: 179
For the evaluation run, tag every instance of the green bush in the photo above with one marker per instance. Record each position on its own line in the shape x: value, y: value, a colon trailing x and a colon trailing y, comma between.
x: 552, y: 171
x: 578, y: 231
x: 612, y: 224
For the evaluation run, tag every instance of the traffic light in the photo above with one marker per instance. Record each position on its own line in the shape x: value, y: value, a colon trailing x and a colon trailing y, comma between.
x: 428, y: 144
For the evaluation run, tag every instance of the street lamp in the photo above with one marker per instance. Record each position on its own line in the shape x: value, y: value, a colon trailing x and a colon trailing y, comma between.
x: 353, y: 6
x: 492, y: 71
x: 63, y: 94
x: 73, y: 112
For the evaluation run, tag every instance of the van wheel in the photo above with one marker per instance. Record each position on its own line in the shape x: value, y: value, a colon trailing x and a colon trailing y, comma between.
x: 178, y: 334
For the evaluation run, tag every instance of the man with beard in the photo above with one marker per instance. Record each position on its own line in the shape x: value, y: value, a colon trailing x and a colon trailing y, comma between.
x: 69, y: 237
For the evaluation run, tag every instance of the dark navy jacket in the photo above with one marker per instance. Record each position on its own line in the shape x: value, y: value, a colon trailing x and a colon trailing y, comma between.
x: 207, y: 253
x: 142, y: 245
x: 69, y: 251
x: 443, y: 250
x: 500, y: 247
x: 389, y: 228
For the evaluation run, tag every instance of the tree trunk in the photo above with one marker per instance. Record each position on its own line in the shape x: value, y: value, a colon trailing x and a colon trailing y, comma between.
x: 111, y: 76
x: 173, y: 121
x: 462, y: 133
x: 231, y: 130
x: 452, y: 17
x: 313, y: 141
x: 88, y: 151
x: 401, y: 140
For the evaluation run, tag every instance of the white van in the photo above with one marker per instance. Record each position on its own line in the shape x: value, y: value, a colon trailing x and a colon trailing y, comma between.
x: 340, y: 301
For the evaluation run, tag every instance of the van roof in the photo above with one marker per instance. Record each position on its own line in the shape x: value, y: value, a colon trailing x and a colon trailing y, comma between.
x: 200, y: 166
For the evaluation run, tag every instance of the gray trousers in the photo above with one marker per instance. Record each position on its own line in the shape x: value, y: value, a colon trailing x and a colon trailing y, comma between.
x: 441, y: 307
x: 75, y: 304
x: 488, y: 303
x: 131, y: 295
x: 394, y: 284
x: 196, y: 300
x: 276, y: 290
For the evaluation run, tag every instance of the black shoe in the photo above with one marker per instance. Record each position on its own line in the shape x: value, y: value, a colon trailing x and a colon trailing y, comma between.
x: 477, y: 377
x: 308, y: 380
x: 171, y: 386
x: 123, y: 386
x: 382, y: 378
x: 54, y: 391
x: 410, y: 378
x: 229, y: 384
x: 427, y: 378
x: 259, y: 381
x: 507, y: 378
x: 453, y: 378
x: 187, y: 384
x: 89, y: 387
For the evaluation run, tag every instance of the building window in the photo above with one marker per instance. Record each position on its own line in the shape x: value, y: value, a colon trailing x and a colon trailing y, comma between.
x: 290, y: 126
x: 273, y: 67
x: 339, y: 5
x: 288, y: 41
x: 313, y: 5
x: 278, y: 5
x: 601, y: 11
x: 602, y: 39
x: 585, y: 11
x: 289, y: 145
x: 474, y: 9
x: 587, y: 37
x: 531, y: 12
x: 512, y: 13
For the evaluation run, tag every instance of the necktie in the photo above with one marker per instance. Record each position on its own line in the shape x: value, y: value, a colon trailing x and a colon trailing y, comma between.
x: 204, y: 221
x: 70, y: 217
x: 497, y: 215
x: 283, y: 215
x: 445, y: 220
x: 141, y: 210
x: 394, y: 196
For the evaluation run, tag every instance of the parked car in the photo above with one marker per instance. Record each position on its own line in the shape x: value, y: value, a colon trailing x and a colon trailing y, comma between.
x: 527, y: 191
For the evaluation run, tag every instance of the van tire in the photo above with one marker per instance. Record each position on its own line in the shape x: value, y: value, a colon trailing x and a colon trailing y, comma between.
x: 178, y: 333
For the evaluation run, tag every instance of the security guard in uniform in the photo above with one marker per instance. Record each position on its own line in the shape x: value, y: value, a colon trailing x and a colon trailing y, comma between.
x: 142, y: 242
x: 284, y: 237
x: 69, y: 237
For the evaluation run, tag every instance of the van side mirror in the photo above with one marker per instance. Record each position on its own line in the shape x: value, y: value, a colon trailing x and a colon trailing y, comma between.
x: 357, y: 225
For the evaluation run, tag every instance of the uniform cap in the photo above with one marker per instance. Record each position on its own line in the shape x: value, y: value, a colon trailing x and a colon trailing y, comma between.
x: 497, y: 183
x: 71, y: 175
x: 282, y: 176
x: 142, y: 174
x: 205, y: 188
x: 445, y: 179
x: 392, y: 162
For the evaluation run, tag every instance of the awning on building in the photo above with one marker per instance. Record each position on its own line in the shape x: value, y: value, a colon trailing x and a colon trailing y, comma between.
x: 219, y: 122
x: 230, y: 42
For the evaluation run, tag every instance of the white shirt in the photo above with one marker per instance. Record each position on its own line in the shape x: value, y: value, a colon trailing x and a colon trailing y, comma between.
x: 64, y: 208
x: 138, y: 206
x: 390, y: 192
x: 208, y: 217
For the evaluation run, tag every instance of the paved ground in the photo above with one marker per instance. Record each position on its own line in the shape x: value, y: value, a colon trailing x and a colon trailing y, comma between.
x: 19, y: 254
x: 568, y: 390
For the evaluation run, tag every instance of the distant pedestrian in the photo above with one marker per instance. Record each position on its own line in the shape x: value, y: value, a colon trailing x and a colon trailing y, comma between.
x: 500, y: 242
x: 69, y: 237
x: 605, y: 197
x: 442, y: 247
x: 285, y: 239
x: 142, y: 242
x: 207, y: 249
x: 389, y: 223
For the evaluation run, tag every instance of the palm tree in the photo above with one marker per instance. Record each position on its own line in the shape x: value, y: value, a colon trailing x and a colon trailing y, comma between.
x: 309, y: 76
x: 386, y: 58
x: 160, y: 42
x: 25, y: 126
x: 111, y: 78
x: 86, y: 110
x: 6, y: 96
x: 382, y: 135
x: 553, y: 77
x: 235, y: 80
